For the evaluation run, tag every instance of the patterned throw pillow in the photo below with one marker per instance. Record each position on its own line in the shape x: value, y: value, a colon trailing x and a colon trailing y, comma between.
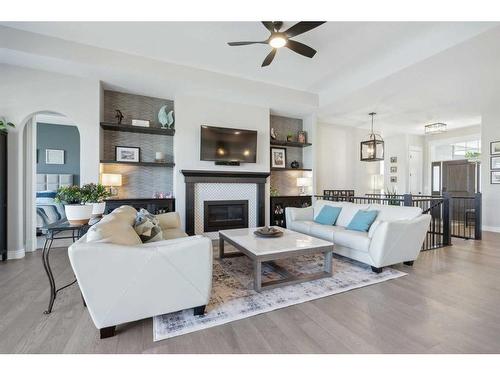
x: 147, y: 227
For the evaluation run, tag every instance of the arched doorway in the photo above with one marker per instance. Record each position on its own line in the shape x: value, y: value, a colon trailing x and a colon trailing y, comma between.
x: 51, y: 149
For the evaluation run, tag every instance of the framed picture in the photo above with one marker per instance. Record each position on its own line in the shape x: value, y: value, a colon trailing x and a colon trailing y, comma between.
x: 54, y: 156
x: 394, y: 179
x: 278, y: 157
x: 129, y: 154
x: 394, y: 159
x: 302, y: 137
x: 495, y: 162
x: 394, y: 169
x: 495, y: 148
x: 495, y: 177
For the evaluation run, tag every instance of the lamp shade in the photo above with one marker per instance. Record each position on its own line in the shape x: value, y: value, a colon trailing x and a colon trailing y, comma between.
x: 303, y: 181
x: 111, y: 179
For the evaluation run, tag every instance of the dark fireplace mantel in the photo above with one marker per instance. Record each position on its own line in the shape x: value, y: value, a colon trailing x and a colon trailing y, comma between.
x: 192, y: 177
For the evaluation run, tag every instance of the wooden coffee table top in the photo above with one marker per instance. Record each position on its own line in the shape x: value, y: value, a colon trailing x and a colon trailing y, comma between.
x: 260, y: 246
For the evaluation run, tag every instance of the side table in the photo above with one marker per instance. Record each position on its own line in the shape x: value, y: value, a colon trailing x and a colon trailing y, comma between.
x: 55, y: 231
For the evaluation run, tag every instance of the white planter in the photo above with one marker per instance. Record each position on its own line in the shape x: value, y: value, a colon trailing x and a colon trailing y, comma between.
x: 78, y: 213
x: 98, y: 208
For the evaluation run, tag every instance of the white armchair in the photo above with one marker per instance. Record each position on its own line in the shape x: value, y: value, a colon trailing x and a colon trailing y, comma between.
x: 123, y: 283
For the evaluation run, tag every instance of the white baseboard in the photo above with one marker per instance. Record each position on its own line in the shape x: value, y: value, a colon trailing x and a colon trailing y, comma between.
x: 491, y: 229
x: 15, y: 254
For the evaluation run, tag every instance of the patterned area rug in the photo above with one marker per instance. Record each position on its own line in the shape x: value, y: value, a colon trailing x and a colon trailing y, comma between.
x: 233, y: 297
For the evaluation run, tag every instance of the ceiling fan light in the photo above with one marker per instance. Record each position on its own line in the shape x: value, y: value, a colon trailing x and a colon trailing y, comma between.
x: 277, y: 41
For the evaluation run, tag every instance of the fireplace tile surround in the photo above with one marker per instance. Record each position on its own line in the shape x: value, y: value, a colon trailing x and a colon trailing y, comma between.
x: 236, y: 185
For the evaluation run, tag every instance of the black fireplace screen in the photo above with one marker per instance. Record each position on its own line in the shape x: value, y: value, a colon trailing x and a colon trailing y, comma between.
x: 227, y: 214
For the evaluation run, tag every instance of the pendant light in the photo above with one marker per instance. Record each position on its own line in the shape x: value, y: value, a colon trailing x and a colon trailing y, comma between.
x: 373, y: 148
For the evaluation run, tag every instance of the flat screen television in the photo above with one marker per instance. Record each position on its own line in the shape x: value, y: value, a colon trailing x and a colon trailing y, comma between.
x: 228, y: 145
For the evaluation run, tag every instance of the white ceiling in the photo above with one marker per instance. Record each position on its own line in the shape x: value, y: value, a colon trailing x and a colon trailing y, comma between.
x: 343, y: 47
x: 452, y: 87
x: 411, y: 73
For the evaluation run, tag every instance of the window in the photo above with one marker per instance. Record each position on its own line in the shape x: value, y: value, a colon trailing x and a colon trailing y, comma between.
x: 466, y: 150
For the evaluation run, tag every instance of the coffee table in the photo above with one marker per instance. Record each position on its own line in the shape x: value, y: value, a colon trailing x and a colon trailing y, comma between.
x: 267, y: 250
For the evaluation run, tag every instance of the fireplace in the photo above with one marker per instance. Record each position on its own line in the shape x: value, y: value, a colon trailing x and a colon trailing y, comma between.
x: 225, y: 214
x: 228, y: 185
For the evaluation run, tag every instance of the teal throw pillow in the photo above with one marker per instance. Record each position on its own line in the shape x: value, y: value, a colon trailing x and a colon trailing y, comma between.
x: 362, y: 220
x: 328, y: 215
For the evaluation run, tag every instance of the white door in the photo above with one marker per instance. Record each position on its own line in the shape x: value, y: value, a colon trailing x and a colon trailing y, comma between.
x: 415, y: 170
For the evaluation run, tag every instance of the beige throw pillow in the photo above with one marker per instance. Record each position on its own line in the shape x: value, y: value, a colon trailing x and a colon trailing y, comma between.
x: 113, y: 230
x: 169, y: 220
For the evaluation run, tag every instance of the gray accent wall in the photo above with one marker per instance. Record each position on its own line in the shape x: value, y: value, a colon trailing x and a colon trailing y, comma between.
x: 286, y: 181
x: 133, y: 107
x: 59, y: 137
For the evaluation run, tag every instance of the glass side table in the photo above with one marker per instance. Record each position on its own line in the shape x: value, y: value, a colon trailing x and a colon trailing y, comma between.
x: 59, y: 230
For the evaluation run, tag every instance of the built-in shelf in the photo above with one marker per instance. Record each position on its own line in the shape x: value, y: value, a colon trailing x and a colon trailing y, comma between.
x: 136, y: 129
x: 140, y: 164
x: 291, y: 169
x: 275, y: 142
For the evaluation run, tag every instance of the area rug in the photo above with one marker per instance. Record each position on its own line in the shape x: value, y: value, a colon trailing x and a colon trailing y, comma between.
x: 233, y: 297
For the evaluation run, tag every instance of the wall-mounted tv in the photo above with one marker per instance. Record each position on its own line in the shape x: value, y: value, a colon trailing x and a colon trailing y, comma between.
x: 228, y: 145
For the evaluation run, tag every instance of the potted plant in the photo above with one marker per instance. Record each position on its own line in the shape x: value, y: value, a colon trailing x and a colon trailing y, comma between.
x: 4, y: 125
x: 289, y: 137
x: 95, y: 194
x: 392, y: 195
x: 77, y: 212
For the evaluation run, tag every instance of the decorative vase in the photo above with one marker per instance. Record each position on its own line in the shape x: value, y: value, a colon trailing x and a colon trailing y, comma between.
x: 78, y: 213
x: 98, y: 208
x: 162, y: 117
x: 170, y: 119
x: 274, y: 133
x: 295, y: 164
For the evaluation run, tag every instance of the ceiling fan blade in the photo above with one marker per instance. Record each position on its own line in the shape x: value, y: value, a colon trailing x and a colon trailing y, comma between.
x: 269, y: 25
x: 269, y: 58
x: 300, y: 48
x: 245, y: 43
x: 302, y: 27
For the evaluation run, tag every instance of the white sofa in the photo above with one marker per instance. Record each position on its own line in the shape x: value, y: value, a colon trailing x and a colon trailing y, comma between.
x: 395, y: 236
x: 123, y: 280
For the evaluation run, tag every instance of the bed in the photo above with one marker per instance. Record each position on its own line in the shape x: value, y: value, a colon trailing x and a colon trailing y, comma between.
x: 47, y: 209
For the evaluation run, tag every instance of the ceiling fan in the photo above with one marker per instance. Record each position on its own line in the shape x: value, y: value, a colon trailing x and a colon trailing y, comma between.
x: 279, y: 39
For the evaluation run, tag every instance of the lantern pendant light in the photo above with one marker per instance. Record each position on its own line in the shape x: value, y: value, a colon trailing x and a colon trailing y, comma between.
x: 373, y: 148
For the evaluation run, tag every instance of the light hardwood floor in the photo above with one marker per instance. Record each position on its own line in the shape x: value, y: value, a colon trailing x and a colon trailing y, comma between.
x: 449, y: 303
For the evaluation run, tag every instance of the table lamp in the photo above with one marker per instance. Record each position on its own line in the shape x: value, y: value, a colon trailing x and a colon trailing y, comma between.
x: 112, y: 180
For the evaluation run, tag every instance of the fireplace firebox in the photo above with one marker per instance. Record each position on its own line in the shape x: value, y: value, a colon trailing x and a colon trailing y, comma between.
x: 225, y: 214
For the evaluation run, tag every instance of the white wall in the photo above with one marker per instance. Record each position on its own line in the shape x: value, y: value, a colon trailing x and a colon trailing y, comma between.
x: 192, y: 112
x: 490, y: 131
x: 399, y: 146
x: 24, y: 92
x: 334, y: 164
x: 337, y: 160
